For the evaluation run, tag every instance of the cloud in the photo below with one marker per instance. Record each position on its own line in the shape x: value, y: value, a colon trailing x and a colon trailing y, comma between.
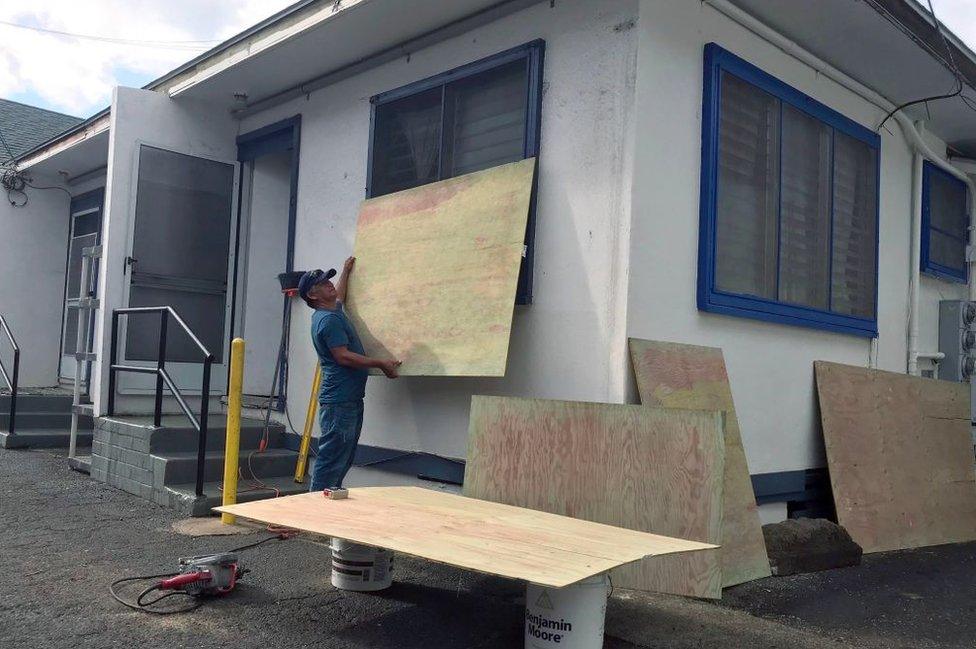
x: 959, y: 16
x: 77, y: 76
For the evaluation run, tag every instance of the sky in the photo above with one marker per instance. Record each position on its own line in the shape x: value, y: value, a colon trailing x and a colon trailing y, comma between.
x: 76, y: 75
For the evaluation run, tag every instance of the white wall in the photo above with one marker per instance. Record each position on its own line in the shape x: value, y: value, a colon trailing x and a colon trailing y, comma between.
x: 142, y: 116
x: 770, y: 365
x: 569, y: 343
x: 33, y: 255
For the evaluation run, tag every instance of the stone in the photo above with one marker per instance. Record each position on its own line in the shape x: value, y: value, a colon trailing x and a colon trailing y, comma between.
x: 801, y: 545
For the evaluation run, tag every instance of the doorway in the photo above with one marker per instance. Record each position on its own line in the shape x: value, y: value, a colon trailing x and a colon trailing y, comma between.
x: 269, y: 185
x: 85, y: 228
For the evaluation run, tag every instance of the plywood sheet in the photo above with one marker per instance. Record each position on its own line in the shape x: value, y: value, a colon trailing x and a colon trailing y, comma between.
x: 641, y: 468
x: 488, y: 537
x: 437, y: 269
x: 900, y: 455
x: 689, y: 377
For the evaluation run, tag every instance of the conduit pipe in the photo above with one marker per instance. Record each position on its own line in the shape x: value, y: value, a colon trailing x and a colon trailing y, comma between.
x: 920, y: 147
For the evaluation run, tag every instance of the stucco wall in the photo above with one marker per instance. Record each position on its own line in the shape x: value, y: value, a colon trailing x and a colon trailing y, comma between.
x: 143, y: 116
x: 568, y: 344
x: 33, y: 254
x: 770, y: 365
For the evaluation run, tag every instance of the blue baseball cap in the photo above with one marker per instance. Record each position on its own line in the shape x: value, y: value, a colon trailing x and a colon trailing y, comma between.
x: 313, y: 277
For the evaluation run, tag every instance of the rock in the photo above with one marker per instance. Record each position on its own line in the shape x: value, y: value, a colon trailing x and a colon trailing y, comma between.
x: 808, y: 545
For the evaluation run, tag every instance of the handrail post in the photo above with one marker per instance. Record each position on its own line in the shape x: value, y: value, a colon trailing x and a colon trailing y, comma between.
x: 160, y: 366
x: 232, y: 443
x: 204, y: 422
x: 13, y: 390
x: 113, y: 360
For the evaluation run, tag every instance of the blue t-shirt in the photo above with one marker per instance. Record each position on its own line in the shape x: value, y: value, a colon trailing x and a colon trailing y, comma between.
x: 339, y: 383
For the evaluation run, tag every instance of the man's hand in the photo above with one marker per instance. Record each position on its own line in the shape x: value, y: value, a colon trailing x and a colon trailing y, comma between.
x: 344, y: 279
x: 389, y: 368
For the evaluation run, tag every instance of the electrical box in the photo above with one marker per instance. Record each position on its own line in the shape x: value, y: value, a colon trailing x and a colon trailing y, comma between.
x: 957, y: 340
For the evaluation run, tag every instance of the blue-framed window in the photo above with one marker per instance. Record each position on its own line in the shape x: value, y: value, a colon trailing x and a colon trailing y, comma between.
x: 477, y: 116
x: 789, y: 204
x: 945, y: 224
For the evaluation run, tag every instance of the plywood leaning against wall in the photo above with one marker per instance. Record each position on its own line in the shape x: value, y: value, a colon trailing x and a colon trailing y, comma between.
x: 900, y: 455
x: 689, y: 377
x: 437, y: 269
x: 488, y: 537
x: 645, y: 469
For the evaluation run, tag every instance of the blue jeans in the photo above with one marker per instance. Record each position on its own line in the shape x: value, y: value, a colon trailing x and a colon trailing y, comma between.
x: 341, y: 424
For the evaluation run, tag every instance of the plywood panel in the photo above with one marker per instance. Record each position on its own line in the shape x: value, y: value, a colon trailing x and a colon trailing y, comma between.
x: 437, y: 269
x: 689, y: 377
x: 488, y: 537
x: 900, y: 455
x: 641, y: 468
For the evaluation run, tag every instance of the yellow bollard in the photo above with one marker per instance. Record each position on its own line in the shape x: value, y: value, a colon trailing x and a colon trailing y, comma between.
x: 232, y: 445
x: 301, y: 468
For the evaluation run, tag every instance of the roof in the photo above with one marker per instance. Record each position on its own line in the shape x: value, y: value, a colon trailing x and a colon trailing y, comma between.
x: 24, y: 127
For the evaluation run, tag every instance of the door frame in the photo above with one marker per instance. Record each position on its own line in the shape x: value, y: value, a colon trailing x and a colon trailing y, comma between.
x: 281, y: 136
x: 141, y: 384
x: 90, y: 200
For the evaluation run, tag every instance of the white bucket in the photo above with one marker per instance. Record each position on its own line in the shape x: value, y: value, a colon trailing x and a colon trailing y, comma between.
x: 360, y: 567
x: 566, y: 618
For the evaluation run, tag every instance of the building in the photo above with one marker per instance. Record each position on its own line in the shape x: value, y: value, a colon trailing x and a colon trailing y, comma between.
x: 709, y: 171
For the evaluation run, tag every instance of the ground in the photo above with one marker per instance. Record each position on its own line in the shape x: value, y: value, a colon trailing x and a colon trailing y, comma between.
x: 64, y: 538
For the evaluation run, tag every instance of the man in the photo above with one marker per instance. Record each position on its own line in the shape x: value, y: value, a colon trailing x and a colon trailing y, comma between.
x: 345, y: 368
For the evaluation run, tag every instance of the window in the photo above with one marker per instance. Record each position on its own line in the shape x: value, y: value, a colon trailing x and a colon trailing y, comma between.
x: 945, y: 224
x: 789, y: 204
x: 474, y: 117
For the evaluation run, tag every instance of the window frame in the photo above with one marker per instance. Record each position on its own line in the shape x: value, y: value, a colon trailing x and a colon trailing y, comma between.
x: 710, y: 299
x: 533, y: 53
x: 928, y: 266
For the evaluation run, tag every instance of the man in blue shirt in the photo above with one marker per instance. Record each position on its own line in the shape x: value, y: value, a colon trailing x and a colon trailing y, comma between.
x: 345, y: 368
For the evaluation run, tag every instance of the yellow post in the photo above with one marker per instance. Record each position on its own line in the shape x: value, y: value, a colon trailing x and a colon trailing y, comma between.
x: 301, y: 468
x: 232, y: 445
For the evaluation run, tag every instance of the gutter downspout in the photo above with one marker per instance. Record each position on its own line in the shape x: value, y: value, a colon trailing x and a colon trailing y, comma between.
x: 915, y: 263
x: 920, y: 148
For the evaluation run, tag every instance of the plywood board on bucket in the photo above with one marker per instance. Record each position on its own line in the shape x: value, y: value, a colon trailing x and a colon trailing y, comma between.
x: 645, y: 469
x: 488, y: 537
x: 437, y: 269
x: 689, y: 377
x: 900, y: 455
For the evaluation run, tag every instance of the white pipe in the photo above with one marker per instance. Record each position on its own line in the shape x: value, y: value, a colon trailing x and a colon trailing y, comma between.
x: 919, y: 145
x: 915, y: 262
x: 932, y: 356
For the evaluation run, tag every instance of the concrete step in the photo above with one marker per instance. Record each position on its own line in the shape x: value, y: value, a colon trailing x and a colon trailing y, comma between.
x: 183, y: 496
x: 181, y: 468
x: 42, y: 438
x: 168, y: 440
x: 38, y: 402
x: 37, y: 420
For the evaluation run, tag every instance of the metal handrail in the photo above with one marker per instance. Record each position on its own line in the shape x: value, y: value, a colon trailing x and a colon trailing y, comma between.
x: 11, y: 380
x: 163, y: 377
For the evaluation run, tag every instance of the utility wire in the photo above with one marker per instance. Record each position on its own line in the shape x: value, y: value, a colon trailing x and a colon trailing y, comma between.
x: 952, y: 68
x: 176, y: 45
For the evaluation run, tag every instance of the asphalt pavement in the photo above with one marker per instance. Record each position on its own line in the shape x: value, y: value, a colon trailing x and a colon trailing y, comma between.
x: 64, y: 538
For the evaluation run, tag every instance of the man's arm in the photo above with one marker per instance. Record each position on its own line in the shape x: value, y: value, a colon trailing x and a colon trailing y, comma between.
x: 344, y: 279
x: 343, y: 356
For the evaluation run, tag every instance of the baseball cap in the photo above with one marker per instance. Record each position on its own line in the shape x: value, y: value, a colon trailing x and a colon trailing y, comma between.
x: 313, y: 277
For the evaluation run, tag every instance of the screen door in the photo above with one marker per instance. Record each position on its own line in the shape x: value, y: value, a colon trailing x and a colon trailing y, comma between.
x: 180, y: 256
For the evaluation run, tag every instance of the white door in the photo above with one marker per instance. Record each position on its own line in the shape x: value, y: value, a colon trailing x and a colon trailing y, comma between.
x: 180, y: 254
x: 86, y: 221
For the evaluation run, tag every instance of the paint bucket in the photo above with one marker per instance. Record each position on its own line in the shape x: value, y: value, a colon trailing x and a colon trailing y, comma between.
x: 566, y: 618
x: 360, y: 567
